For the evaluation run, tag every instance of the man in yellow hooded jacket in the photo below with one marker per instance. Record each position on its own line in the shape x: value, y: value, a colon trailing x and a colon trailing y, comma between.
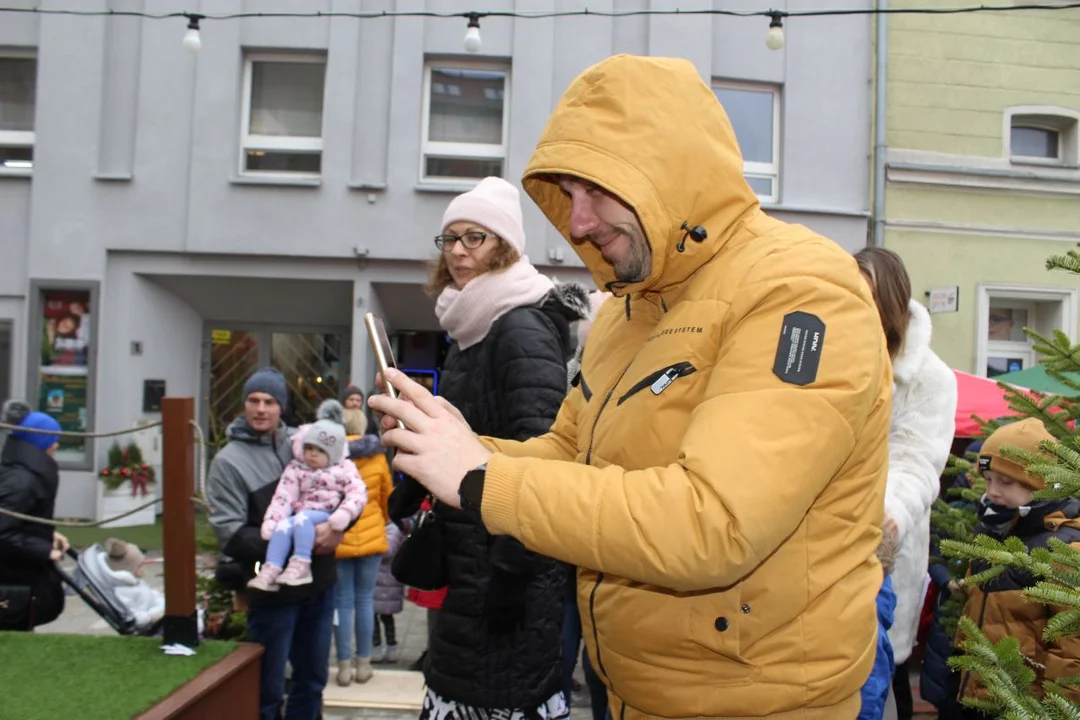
x: 718, y: 471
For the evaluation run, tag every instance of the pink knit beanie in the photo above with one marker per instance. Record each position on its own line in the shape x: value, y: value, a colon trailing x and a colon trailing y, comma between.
x: 493, y: 203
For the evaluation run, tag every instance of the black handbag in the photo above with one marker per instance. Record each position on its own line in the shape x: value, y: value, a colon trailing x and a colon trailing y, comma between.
x: 16, y: 607
x: 420, y: 562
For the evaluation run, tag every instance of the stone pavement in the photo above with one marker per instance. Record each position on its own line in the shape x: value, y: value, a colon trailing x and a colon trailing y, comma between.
x: 395, y: 691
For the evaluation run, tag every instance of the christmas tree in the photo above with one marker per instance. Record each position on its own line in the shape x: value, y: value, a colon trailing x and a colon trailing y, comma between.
x: 1007, y: 674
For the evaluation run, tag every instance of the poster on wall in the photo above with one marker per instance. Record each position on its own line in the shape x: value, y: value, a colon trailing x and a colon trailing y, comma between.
x: 63, y: 373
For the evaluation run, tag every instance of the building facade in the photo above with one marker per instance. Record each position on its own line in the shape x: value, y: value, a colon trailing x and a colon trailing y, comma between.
x: 170, y: 221
x: 983, y: 175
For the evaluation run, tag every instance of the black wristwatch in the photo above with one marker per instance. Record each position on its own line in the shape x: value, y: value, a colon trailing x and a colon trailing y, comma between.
x: 471, y: 491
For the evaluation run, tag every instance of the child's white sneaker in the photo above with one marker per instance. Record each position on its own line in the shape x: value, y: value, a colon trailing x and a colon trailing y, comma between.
x: 267, y: 578
x: 297, y: 572
x: 391, y: 653
x: 378, y: 653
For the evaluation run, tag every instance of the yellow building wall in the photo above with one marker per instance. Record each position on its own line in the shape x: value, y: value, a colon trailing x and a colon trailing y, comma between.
x: 950, y: 80
x: 983, y: 208
x: 946, y: 260
x: 951, y: 76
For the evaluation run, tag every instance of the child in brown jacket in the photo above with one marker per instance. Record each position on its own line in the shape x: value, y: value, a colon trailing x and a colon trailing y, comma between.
x: 998, y: 607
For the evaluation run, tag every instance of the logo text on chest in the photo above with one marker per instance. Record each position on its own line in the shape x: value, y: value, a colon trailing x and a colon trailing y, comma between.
x: 677, y: 331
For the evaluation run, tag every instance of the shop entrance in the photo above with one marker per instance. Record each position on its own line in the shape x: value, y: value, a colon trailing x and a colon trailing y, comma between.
x: 314, y: 361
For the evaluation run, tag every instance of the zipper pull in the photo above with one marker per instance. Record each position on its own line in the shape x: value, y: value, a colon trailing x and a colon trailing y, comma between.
x: 662, y: 382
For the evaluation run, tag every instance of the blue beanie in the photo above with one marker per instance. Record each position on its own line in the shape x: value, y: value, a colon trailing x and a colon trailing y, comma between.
x: 39, y: 421
x: 271, y: 382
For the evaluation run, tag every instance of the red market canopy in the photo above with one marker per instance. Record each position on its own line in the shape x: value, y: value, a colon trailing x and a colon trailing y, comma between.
x: 977, y: 396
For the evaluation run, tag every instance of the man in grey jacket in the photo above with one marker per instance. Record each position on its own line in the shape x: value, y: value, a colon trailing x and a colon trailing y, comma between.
x: 295, y: 623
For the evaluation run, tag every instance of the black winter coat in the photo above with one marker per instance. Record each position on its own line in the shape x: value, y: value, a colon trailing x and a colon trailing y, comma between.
x: 497, y: 642
x: 29, y: 479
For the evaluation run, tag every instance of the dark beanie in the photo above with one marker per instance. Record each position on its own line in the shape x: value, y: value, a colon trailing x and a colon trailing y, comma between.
x: 271, y: 382
x: 349, y: 391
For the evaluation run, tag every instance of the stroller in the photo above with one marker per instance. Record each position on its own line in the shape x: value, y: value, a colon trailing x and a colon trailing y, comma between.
x: 94, y: 583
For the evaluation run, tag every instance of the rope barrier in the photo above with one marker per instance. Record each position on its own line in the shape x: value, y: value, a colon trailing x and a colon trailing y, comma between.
x: 198, y: 501
x: 200, y: 462
x: 72, y: 433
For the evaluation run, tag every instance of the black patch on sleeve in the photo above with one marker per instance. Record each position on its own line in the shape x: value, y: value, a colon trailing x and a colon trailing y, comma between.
x: 798, y: 354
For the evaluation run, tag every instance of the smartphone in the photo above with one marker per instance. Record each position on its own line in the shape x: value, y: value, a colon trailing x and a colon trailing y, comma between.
x: 384, y: 353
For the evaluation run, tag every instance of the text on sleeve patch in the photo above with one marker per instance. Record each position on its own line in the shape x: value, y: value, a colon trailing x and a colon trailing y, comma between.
x: 798, y: 353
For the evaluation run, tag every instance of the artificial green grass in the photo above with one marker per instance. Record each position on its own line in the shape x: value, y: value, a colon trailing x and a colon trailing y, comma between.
x: 147, y: 537
x: 92, y: 678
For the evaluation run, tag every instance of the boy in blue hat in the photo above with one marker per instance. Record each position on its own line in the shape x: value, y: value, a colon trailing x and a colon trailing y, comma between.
x: 29, y: 479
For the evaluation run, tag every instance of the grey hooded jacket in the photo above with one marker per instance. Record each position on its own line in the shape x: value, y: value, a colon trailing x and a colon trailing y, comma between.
x: 247, y: 463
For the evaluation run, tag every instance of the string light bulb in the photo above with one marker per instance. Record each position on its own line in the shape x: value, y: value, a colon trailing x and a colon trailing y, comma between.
x: 774, y: 39
x: 472, y: 34
x: 192, y: 43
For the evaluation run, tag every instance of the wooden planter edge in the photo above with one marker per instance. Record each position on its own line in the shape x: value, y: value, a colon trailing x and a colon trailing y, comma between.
x: 206, y: 681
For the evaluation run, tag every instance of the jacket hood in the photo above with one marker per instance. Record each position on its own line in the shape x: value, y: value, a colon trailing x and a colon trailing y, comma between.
x: 362, y: 446
x: 240, y: 431
x: 572, y: 299
x: 17, y: 451
x: 651, y: 132
x: 909, y: 360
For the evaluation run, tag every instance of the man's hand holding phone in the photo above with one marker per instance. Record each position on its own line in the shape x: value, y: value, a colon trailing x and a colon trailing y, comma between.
x: 388, y: 422
x: 437, y: 446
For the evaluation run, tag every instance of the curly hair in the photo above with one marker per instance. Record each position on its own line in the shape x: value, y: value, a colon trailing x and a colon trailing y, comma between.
x: 503, y: 257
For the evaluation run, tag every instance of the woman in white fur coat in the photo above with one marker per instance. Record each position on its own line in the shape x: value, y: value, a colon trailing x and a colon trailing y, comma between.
x: 920, y: 434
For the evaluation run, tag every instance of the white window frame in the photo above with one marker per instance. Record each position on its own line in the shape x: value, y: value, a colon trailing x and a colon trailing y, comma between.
x: 1064, y: 121
x: 18, y: 138
x: 276, y: 143
x: 1028, y: 295
x: 464, y: 151
x: 770, y: 171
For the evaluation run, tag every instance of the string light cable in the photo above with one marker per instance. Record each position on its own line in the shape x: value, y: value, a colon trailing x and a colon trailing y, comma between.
x: 774, y: 38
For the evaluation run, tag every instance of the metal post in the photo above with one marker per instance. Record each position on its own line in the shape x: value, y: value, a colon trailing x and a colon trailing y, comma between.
x: 881, y: 109
x: 181, y: 623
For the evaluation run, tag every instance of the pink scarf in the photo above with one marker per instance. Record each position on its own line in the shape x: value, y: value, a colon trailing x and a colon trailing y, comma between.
x: 469, y: 314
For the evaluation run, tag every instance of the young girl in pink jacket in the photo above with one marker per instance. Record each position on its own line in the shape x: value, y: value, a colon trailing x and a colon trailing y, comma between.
x: 320, y: 484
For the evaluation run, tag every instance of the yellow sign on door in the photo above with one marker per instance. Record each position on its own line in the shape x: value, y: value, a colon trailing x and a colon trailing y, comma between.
x: 220, y: 337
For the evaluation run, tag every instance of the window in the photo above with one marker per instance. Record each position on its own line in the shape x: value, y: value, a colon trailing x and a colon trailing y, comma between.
x: 18, y: 94
x: 63, y: 361
x: 1042, y: 136
x: 1005, y: 311
x: 283, y: 115
x: 466, y: 116
x: 754, y: 112
x: 1035, y: 142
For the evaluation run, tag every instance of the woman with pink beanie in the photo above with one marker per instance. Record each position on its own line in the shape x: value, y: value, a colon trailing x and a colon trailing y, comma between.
x: 496, y: 648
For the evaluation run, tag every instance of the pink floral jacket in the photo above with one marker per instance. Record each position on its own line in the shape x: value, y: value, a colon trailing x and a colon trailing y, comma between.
x: 336, y: 489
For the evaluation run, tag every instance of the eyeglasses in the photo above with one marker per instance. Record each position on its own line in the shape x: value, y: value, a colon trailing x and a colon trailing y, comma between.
x: 471, y: 240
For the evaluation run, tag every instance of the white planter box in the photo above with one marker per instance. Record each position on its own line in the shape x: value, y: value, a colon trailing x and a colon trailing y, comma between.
x: 114, y: 502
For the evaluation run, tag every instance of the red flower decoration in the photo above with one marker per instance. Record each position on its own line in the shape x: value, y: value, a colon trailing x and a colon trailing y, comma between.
x: 105, y: 473
x: 125, y: 472
x: 144, y: 466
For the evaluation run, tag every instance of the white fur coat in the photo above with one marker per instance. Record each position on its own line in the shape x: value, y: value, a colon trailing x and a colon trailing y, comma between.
x: 920, y: 436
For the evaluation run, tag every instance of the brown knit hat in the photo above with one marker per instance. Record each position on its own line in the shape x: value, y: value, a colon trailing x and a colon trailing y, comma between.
x: 1023, y: 435
x: 123, y: 556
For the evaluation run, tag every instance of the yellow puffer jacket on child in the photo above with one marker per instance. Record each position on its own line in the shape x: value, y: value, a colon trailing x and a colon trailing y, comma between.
x: 368, y: 535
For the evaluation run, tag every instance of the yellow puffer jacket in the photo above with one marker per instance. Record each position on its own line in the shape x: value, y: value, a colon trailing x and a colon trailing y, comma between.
x: 368, y: 535
x: 722, y: 498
